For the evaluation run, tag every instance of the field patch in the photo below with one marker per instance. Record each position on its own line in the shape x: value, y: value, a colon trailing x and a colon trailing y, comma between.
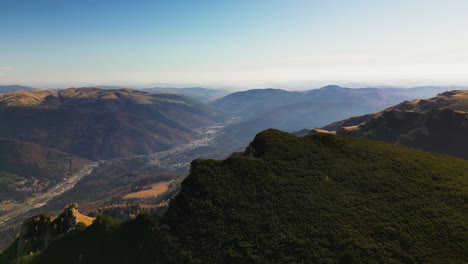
x: 154, y: 190
x: 85, y: 219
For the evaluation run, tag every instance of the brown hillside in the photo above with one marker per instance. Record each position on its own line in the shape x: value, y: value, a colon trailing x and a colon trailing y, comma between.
x: 438, y: 124
x: 102, y: 124
x: 26, y: 168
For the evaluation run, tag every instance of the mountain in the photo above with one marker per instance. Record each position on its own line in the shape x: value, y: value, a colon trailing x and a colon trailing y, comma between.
x: 320, y: 198
x: 110, y: 87
x: 26, y: 171
x: 101, y: 124
x: 14, y: 88
x: 291, y: 111
x: 37, y: 232
x: 201, y: 94
x: 112, y: 126
x: 439, y: 124
x: 250, y: 103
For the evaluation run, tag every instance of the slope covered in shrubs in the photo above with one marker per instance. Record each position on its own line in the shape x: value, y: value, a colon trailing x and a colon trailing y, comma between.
x: 314, y: 199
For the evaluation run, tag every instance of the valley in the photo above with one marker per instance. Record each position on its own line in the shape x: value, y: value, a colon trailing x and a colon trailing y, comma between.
x: 113, y: 179
x: 124, y: 180
x: 179, y: 157
x: 294, y: 198
x: 260, y: 132
x: 175, y: 160
x: 20, y: 209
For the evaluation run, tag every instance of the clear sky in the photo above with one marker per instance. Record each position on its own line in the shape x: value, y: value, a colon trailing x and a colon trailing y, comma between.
x: 233, y: 42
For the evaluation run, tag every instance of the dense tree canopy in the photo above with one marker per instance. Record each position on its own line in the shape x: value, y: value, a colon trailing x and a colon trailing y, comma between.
x: 314, y: 199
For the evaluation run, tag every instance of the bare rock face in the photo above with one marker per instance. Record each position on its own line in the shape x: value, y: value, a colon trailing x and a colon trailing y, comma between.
x: 38, y: 231
x: 65, y: 222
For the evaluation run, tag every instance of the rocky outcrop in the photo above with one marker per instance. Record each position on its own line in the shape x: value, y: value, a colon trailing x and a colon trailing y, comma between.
x: 65, y: 222
x: 37, y: 232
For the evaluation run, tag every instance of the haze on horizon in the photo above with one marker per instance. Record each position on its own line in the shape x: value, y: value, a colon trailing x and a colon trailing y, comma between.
x: 233, y: 43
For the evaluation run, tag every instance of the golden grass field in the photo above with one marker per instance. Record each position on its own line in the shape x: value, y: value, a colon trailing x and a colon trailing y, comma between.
x: 155, y: 190
x: 85, y: 219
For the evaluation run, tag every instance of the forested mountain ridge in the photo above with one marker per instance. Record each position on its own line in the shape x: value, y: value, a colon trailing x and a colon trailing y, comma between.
x: 315, y: 199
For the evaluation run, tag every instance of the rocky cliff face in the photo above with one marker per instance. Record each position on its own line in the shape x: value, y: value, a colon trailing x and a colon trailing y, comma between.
x: 37, y: 232
x: 65, y: 222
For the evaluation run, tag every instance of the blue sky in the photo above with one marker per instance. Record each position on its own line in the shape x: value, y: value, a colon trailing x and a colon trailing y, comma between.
x: 233, y: 43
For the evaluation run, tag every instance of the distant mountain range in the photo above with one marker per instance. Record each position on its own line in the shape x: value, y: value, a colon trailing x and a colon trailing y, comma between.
x: 100, y: 124
x: 438, y: 124
x: 320, y: 198
x: 15, y: 88
x: 201, y: 94
x: 291, y: 111
x: 252, y: 103
x: 256, y: 206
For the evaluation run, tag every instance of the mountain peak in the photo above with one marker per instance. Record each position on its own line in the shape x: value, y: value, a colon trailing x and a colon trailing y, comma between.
x: 332, y: 87
x: 37, y: 232
x: 87, y: 120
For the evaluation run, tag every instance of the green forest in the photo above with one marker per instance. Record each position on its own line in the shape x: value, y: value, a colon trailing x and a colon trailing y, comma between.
x: 320, y: 198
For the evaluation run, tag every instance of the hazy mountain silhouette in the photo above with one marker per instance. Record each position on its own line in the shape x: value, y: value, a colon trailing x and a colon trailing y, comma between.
x: 261, y: 109
x: 15, y: 88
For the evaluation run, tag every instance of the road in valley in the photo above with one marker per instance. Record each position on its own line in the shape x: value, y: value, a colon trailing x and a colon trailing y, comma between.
x: 41, y: 199
x: 181, y: 155
x: 172, y: 159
